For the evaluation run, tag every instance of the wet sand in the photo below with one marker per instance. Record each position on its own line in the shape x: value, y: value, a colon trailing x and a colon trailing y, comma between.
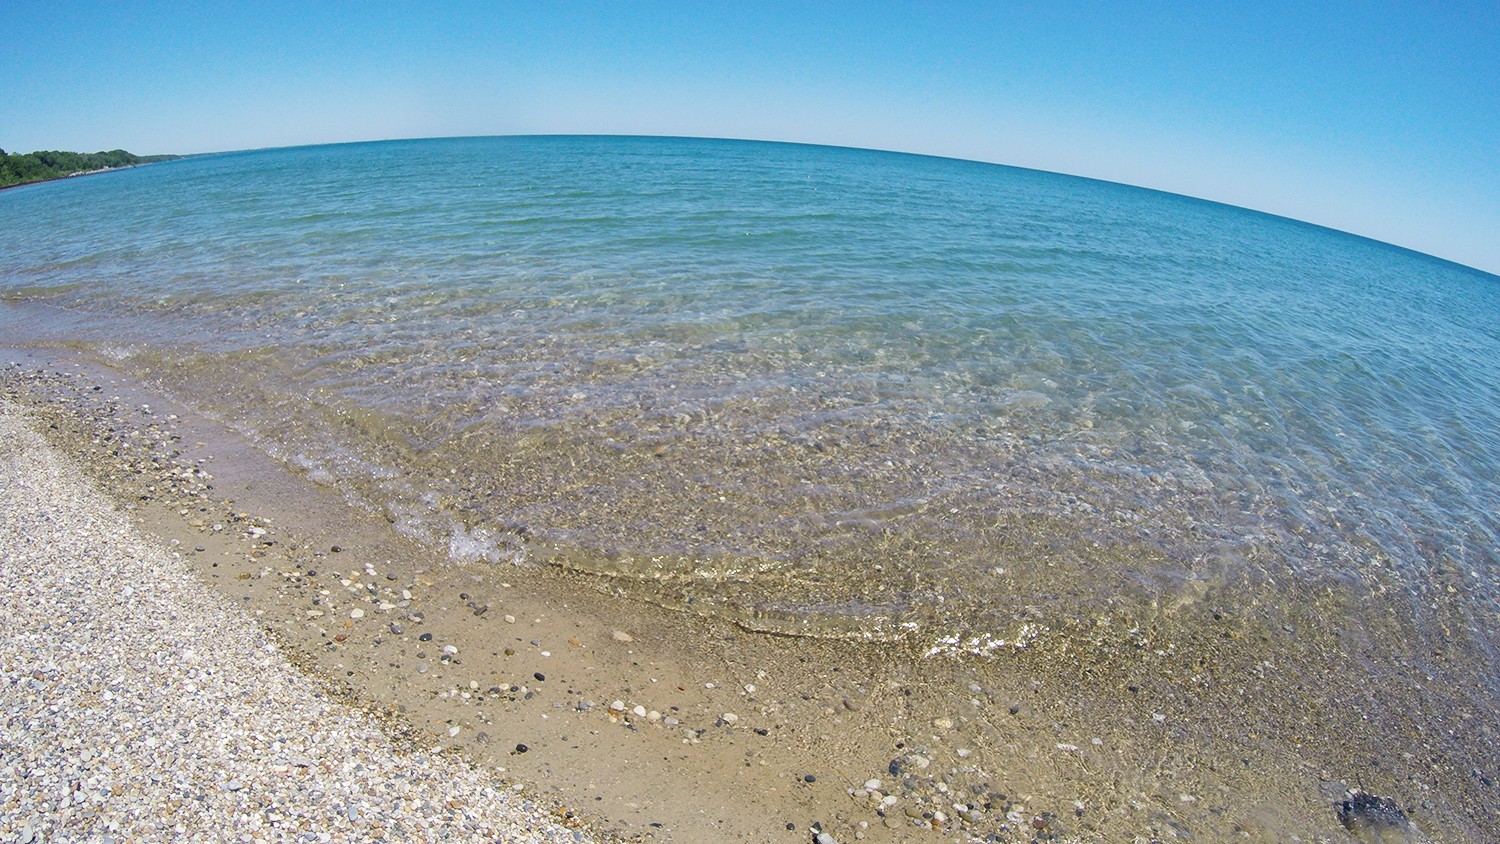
x: 660, y: 725
x: 138, y: 705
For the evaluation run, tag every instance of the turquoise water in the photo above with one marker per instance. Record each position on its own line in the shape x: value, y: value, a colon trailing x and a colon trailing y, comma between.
x: 825, y: 391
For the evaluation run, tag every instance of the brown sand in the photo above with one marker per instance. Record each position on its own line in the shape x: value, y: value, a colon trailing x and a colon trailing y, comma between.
x: 745, y: 736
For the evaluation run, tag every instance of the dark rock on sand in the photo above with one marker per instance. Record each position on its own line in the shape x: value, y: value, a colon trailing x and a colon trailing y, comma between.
x: 1373, y: 819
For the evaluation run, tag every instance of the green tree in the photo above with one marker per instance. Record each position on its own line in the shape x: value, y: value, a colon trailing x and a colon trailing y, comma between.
x: 53, y: 164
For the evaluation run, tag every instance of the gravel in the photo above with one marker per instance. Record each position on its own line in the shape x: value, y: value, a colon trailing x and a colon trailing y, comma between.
x: 136, y: 704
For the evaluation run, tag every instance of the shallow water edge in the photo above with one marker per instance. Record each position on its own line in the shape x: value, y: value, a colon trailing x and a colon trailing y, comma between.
x: 1176, y: 717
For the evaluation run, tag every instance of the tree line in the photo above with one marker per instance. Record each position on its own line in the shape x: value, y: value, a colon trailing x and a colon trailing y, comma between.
x: 20, y: 169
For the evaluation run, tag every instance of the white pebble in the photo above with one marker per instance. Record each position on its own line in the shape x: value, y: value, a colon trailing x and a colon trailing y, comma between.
x: 147, y: 663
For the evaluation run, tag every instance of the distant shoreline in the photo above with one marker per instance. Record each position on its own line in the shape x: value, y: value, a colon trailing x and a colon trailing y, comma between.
x: 78, y: 174
x: 50, y: 162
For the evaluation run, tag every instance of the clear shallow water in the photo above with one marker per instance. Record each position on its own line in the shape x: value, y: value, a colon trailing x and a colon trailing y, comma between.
x: 826, y: 391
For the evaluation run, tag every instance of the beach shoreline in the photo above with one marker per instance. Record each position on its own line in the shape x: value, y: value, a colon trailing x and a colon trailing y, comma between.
x: 139, y: 705
x: 267, y: 539
x: 719, y: 732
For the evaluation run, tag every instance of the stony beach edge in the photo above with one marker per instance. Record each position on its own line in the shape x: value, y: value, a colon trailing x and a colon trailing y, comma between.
x: 139, y: 705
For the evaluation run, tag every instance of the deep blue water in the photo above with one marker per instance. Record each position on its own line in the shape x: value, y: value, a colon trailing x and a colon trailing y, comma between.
x: 822, y: 389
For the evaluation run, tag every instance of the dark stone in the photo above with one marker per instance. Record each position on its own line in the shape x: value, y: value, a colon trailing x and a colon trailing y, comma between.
x: 1360, y: 812
x: 809, y: 778
x: 426, y: 637
x: 539, y: 676
x: 521, y: 748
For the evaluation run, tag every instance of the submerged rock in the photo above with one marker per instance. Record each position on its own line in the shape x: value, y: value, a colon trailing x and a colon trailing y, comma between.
x: 1374, y: 819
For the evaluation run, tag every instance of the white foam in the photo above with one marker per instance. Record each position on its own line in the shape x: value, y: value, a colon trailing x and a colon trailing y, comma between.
x: 985, y: 644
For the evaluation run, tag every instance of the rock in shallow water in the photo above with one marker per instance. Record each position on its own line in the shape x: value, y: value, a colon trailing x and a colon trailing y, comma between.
x: 1373, y: 819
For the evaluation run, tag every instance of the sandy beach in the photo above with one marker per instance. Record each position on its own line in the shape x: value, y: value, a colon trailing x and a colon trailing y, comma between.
x: 169, y: 580
x: 140, y: 706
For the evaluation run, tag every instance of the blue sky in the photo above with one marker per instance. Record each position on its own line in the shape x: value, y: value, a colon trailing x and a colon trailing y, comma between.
x: 1378, y: 118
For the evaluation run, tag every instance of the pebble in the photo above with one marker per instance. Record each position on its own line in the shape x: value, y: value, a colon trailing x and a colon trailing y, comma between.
x: 153, y: 742
x: 510, y: 619
x: 621, y: 636
x: 356, y: 613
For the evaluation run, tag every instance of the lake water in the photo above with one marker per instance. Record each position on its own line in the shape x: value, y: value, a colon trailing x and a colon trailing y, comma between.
x: 821, y: 391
